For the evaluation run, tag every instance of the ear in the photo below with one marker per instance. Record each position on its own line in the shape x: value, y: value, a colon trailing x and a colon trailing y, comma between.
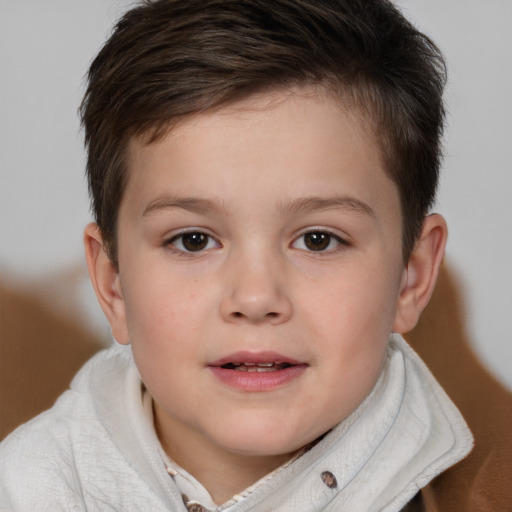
x: 420, y: 276
x: 105, y: 281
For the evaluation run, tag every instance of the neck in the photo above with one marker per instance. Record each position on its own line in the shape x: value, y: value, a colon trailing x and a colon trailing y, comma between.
x: 221, y: 472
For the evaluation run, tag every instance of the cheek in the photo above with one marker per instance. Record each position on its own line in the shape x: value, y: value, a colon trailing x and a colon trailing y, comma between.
x: 356, y: 300
x: 159, y: 297
x: 166, y: 317
x: 161, y: 333
x: 351, y: 321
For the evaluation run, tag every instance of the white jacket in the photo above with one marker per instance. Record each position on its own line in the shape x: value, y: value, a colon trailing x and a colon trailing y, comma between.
x: 96, y: 450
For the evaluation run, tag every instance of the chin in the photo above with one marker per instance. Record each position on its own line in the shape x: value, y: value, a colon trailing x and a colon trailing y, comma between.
x: 263, y: 440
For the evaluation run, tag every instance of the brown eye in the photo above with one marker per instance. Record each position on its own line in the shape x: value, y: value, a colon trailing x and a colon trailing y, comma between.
x: 317, y: 241
x: 194, y: 241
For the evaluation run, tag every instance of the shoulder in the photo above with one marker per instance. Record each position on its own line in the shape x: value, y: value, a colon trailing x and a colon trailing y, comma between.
x: 36, y: 459
x: 47, y: 459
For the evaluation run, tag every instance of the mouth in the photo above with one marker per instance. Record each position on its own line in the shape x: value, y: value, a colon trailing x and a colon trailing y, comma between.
x: 256, y: 367
x: 261, y: 371
x: 256, y: 362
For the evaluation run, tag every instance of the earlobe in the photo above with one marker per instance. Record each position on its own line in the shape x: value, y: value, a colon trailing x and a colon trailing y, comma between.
x: 105, y: 281
x: 420, y: 276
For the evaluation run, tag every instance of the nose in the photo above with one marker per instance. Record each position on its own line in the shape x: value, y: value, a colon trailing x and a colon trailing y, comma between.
x: 256, y: 292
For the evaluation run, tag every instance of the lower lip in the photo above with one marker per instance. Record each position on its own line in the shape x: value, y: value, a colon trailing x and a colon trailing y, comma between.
x: 258, y: 381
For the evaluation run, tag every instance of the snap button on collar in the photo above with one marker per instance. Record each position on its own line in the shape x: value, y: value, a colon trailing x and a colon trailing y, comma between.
x: 193, y: 506
x: 329, y: 479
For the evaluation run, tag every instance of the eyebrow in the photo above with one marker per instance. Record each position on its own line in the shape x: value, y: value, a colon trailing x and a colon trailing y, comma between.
x: 310, y: 204
x: 294, y: 207
x: 191, y: 204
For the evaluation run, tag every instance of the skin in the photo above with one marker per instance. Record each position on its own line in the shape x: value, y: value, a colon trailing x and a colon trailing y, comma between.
x: 255, y: 178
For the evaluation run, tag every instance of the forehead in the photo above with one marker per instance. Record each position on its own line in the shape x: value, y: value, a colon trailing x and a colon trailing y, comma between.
x: 250, y: 110
x: 302, y: 133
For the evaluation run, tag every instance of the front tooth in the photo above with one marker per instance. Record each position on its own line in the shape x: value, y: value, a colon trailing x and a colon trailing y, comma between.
x: 265, y: 365
x: 249, y: 364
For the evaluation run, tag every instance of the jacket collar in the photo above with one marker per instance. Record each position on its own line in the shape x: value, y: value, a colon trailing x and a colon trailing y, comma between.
x: 405, y: 433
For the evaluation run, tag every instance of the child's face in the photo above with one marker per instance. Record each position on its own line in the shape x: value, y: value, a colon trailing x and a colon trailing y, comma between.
x: 267, y: 232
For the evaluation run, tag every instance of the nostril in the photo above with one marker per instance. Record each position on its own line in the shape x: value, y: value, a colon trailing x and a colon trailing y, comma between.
x: 238, y: 314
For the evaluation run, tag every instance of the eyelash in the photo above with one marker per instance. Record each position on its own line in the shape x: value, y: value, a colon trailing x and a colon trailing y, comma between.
x: 329, y: 238
x: 183, y: 251
x: 326, y: 239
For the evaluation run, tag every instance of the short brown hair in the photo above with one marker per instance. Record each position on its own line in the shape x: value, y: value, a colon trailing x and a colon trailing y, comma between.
x: 168, y: 59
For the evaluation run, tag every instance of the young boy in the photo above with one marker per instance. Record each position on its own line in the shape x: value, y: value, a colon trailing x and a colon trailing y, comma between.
x: 261, y: 174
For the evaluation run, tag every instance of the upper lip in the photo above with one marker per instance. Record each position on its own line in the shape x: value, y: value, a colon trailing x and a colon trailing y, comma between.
x: 255, y: 358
